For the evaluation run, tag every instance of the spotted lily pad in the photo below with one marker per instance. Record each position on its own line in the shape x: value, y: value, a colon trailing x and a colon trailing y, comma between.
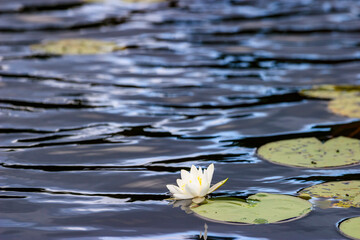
x: 345, y: 193
x: 76, y: 47
x: 350, y: 228
x: 312, y: 153
x: 328, y: 91
x: 257, y: 209
x: 346, y: 106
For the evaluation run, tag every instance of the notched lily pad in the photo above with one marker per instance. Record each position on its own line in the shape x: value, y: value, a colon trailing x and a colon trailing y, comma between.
x: 350, y: 228
x: 345, y: 193
x: 312, y: 153
x: 328, y: 91
x: 76, y: 47
x: 346, y: 106
x: 260, y: 208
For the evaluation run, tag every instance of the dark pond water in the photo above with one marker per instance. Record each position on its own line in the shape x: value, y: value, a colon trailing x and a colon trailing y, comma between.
x: 88, y: 142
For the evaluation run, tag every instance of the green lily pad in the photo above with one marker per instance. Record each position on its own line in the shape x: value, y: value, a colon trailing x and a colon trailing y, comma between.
x: 350, y: 228
x: 346, y: 106
x: 76, y: 46
x: 328, y: 91
x: 312, y: 153
x: 356, y: 200
x: 257, y: 209
x: 346, y: 193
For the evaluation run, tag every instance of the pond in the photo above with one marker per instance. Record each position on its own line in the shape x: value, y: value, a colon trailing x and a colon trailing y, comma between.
x: 91, y: 137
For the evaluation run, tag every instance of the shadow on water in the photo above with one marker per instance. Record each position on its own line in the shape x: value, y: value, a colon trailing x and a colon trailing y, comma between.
x: 128, y: 197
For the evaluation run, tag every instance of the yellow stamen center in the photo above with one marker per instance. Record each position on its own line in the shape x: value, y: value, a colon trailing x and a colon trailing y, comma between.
x: 199, y: 179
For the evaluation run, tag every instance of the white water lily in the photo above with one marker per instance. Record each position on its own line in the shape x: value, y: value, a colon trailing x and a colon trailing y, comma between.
x: 194, y: 184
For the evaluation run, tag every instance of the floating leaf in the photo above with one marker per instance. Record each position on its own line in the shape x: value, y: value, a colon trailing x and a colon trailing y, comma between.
x: 76, y: 47
x: 328, y: 91
x: 346, y: 106
x: 350, y: 228
x: 356, y: 200
x: 257, y: 209
x: 347, y: 193
x: 346, y: 98
x: 312, y: 153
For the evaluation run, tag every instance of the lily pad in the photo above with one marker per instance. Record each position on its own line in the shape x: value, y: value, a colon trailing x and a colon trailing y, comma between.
x: 350, y: 228
x: 312, y: 153
x: 76, y: 46
x: 328, y: 91
x: 346, y: 106
x: 257, y: 209
x: 346, y: 193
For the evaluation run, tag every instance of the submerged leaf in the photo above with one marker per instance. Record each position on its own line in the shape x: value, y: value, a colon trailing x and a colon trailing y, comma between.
x: 346, y: 106
x: 350, y: 228
x: 129, y: 1
x: 312, y: 153
x: 37, y: 18
x: 346, y: 193
x: 76, y: 46
x: 260, y: 208
x: 328, y: 91
x: 144, y: 1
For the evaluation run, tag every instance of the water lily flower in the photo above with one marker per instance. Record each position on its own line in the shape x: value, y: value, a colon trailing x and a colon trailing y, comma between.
x: 194, y: 184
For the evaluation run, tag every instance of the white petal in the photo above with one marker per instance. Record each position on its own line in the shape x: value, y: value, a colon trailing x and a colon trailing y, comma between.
x: 205, y: 179
x: 184, y: 175
x: 182, y: 196
x: 210, y: 172
x: 173, y: 189
x: 204, y: 190
x: 192, y: 189
x: 179, y: 182
x: 205, y: 185
x: 193, y: 170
